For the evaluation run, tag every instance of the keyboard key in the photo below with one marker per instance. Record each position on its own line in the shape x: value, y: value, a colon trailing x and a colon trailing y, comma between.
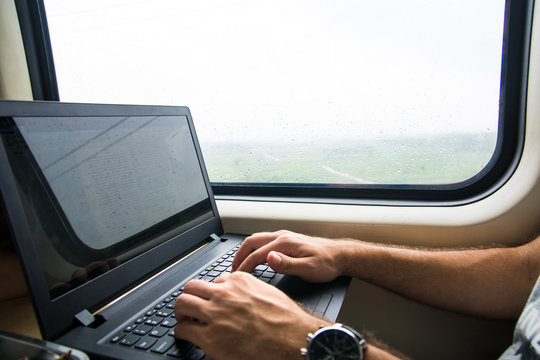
x: 116, y: 338
x: 257, y: 273
x: 164, y: 312
x: 153, y: 321
x: 261, y: 267
x: 159, y: 331
x: 163, y: 345
x: 175, y: 352
x: 142, y: 330
x: 140, y: 320
x: 194, y: 354
x: 268, y: 274
x: 146, y: 343
x: 180, y: 347
x: 169, y: 323
x: 130, y: 328
x: 129, y: 340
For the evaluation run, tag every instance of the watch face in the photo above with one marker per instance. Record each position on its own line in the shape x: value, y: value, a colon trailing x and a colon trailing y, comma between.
x: 334, y: 344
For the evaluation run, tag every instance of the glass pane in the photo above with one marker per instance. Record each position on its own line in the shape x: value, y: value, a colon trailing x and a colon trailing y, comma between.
x: 292, y: 91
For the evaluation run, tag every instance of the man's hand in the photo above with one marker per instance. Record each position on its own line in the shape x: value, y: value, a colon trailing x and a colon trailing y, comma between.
x: 240, y: 317
x: 312, y: 259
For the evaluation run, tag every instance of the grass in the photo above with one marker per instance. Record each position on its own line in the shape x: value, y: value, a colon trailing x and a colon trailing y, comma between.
x: 434, y: 160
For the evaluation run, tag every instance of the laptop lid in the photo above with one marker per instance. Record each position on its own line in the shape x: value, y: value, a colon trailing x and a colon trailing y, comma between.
x: 120, y: 191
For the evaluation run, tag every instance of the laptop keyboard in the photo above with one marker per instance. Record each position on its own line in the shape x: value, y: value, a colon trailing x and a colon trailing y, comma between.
x: 153, y: 330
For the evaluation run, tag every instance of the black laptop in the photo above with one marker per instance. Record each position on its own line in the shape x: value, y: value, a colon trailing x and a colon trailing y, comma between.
x: 112, y: 212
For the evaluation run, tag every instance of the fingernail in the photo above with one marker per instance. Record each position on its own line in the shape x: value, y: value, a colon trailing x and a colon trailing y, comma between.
x: 277, y: 258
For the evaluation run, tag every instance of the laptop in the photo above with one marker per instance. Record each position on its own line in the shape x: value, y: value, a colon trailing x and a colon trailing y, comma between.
x: 112, y: 212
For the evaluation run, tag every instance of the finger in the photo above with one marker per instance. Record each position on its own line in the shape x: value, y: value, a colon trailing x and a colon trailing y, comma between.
x: 250, y: 244
x: 221, y: 279
x: 284, y: 264
x: 200, y: 288
x: 257, y: 257
x: 274, y: 260
x: 299, y: 266
x: 189, y: 306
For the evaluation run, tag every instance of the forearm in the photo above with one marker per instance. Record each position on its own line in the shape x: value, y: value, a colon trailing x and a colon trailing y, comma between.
x: 489, y: 282
x: 375, y: 353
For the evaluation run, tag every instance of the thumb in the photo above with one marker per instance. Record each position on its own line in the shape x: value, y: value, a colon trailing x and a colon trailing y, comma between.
x: 284, y: 264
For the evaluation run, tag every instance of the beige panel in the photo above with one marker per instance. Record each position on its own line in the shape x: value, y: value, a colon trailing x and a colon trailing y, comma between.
x: 423, y: 332
x: 14, y: 78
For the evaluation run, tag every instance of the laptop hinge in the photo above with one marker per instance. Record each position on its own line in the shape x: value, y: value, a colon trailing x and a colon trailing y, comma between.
x: 85, y: 318
x: 88, y: 320
x: 216, y: 237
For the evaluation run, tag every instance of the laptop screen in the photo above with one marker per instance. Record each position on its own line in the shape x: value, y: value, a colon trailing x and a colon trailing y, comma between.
x: 102, y: 190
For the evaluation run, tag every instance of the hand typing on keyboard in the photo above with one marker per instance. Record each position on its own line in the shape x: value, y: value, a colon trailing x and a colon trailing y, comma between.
x: 312, y: 259
x: 239, y: 317
x: 235, y: 316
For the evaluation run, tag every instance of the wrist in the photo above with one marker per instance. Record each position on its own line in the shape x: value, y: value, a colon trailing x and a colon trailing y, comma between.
x: 309, y: 324
x: 350, y: 254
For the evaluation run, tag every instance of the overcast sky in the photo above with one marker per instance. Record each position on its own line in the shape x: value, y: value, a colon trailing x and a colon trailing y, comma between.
x: 288, y: 68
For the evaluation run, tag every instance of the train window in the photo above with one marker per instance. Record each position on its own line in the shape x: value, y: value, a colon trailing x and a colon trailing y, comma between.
x: 306, y: 98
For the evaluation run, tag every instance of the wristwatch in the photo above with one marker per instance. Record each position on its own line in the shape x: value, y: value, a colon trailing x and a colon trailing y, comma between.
x: 335, y: 342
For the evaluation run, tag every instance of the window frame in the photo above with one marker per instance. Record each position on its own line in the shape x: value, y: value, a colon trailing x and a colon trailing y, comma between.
x: 504, y: 161
x: 38, y: 49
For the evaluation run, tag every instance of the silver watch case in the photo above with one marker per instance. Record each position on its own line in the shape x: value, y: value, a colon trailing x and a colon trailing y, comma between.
x: 341, y: 335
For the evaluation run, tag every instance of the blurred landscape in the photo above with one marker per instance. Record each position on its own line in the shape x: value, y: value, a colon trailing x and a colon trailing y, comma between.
x: 419, y: 160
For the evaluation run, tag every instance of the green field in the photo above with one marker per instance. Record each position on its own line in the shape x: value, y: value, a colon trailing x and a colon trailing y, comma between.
x: 433, y: 160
